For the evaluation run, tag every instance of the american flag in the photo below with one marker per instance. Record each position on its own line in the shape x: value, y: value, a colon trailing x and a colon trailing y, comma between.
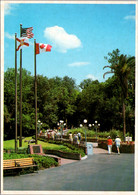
x: 27, y: 32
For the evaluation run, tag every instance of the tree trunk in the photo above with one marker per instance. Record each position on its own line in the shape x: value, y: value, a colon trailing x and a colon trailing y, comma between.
x: 124, y: 120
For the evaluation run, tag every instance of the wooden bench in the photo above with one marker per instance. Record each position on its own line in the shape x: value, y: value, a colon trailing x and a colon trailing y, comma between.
x: 18, y: 163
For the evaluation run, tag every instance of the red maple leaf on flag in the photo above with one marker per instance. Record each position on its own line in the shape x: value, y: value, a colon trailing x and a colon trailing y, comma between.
x: 42, y: 46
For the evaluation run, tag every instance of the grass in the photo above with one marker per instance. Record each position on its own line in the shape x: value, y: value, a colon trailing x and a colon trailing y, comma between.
x: 10, y: 144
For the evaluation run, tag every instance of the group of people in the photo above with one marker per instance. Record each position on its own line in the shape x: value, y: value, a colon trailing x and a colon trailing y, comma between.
x: 110, y: 143
x: 76, y: 138
x: 51, y: 134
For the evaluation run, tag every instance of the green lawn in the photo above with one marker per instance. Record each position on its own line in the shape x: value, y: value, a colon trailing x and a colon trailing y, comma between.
x: 10, y: 144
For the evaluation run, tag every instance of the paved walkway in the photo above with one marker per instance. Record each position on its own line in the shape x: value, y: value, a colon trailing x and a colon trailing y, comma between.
x: 96, y: 173
x: 95, y: 151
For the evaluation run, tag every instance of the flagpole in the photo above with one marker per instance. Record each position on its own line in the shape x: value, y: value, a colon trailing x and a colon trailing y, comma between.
x: 15, y: 94
x: 35, y: 91
x: 20, y: 142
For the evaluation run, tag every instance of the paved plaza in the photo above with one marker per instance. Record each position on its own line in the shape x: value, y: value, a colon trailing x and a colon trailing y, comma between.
x: 98, y: 172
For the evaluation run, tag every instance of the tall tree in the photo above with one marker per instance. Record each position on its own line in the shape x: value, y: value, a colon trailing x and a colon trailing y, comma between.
x: 121, y: 66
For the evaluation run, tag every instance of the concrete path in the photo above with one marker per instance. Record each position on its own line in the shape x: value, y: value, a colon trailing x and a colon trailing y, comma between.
x: 100, y: 151
x: 100, y: 172
x: 95, y: 151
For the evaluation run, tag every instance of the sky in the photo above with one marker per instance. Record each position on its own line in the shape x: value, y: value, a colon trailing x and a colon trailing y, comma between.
x: 80, y: 36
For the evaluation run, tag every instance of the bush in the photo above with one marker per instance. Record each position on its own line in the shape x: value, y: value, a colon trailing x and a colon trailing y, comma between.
x: 65, y: 147
x: 75, y: 149
x: 76, y: 131
x: 44, y: 161
x: 91, y: 133
x: 104, y: 134
x: 14, y: 156
x: 114, y: 133
x: 129, y: 134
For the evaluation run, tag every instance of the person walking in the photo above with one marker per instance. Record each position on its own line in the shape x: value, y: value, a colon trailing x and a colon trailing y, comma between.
x: 109, y: 143
x: 118, y: 141
x: 71, y: 138
x: 79, y: 137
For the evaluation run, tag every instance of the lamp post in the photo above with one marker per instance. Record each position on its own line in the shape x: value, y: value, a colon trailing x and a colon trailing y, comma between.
x: 90, y: 125
x: 61, y: 124
x: 39, y: 123
x: 96, y: 126
x: 85, y: 122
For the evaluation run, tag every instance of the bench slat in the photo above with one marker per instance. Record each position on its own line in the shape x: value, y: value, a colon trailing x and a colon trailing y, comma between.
x: 18, y: 163
x: 9, y: 163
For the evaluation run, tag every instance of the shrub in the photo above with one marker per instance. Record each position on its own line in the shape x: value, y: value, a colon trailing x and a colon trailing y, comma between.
x: 44, y: 161
x: 75, y: 149
x: 65, y: 147
x: 14, y: 156
x: 129, y: 135
x: 114, y: 133
x: 76, y: 131
x: 103, y: 134
x: 91, y: 133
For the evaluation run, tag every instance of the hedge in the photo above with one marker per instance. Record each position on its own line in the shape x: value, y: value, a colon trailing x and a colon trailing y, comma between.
x: 72, y: 148
x: 74, y: 156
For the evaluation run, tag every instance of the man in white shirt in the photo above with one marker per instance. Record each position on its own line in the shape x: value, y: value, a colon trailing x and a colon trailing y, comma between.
x: 118, y: 141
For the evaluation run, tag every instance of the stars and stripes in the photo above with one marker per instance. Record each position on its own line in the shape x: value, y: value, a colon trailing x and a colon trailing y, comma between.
x: 27, y: 32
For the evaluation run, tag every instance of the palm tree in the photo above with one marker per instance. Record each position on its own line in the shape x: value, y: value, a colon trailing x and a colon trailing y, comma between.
x: 121, y: 67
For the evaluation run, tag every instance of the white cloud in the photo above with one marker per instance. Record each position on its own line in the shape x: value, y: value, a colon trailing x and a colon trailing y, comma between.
x: 9, y: 36
x: 78, y: 64
x: 7, y: 9
x: 61, y: 39
x: 90, y: 76
x: 130, y: 17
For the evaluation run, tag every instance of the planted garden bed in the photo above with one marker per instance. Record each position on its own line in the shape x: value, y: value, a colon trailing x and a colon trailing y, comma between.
x: 67, y: 148
x: 69, y: 155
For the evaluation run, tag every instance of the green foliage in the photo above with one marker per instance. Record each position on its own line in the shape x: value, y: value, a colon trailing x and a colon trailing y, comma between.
x: 91, y: 133
x: 42, y: 161
x: 75, y: 149
x: 10, y: 144
x: 76, y: 131
x: 60, y: 98
x: 104, y: 134
x: 123, y: 68
x: 65, y: 147
x: 14, y: 156
x: 114, y: 133
x: 128, y: 134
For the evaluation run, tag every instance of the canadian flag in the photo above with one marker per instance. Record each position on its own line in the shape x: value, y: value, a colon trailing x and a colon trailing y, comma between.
x: 40, y: 47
